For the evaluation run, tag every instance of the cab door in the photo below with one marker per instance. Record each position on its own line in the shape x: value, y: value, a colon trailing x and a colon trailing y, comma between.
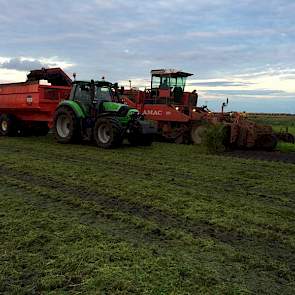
x: 83, y: 98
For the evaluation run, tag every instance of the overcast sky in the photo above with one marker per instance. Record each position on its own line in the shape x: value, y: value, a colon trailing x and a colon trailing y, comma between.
x: 243, y: 50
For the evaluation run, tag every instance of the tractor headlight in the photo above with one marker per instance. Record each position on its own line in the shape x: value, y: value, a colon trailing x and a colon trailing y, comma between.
x: 177, y: 108
x: 136, y: 116
x: 194, y: 110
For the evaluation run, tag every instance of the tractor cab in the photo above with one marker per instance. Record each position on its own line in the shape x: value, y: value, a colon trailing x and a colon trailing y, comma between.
x: 168, y: 85
x: 94, y: 91
x: 93, y: 94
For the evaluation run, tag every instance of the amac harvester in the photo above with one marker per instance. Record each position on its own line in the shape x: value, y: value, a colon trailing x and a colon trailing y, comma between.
x: 180, y: 120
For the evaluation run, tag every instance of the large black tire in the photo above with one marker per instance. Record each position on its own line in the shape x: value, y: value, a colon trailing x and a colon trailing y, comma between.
x: 108, y: 132
x: 8, y: 125
x: 267, y: 142
x: 290, y: 138
x: 137, y: 139
x: 66, y: 126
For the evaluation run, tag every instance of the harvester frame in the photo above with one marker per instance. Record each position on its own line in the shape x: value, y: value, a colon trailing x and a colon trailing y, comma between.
x: 180, y: 120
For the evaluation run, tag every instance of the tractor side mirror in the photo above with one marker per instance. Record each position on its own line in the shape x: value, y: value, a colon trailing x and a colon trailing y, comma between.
x: 122, y: 90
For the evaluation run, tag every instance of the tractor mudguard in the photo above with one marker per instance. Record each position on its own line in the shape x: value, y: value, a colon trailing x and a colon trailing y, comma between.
x: 112, y: 106
x: 74, y: 106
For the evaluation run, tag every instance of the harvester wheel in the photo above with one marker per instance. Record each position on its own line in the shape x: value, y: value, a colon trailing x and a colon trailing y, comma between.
x: 290, y: 138
x: 179, y: 139
x: 108, y: 132
x: 267, y: 142
x: 66, y: 127
x: 197, y: 133
x: 7, y: 125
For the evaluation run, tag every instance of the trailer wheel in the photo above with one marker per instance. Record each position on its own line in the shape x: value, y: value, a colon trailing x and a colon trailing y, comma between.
x: 7, y: 125
x: 66, y: 126
x: 197, y: 133
x: 108, y: 133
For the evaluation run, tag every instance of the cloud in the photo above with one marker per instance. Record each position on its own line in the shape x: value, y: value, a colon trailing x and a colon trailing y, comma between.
x: 8, y: 76
x: 22, y: 65
x: 219, y: 83
x: 253, y: 93
x: 230, y: 45
x: 15, y: 69
x: 27, y: 63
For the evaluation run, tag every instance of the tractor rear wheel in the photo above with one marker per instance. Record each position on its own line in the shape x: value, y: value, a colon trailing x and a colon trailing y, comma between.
x: 108, y: 132
x: 7, y: 125
x: 66, y: 126
x: 197, y: 132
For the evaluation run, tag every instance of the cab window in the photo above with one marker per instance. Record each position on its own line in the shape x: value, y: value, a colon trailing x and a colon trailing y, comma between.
x: 83, y: 93
x: 103, y: 93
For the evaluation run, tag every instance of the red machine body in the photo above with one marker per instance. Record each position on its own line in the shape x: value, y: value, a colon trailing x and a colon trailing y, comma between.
x: 180, y: 120
x: 33, y: 102
x: 174, y: 110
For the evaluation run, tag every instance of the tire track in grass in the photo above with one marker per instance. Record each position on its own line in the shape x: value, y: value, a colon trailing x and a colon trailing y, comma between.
x: 274, y: 156
x: 165, y: 222
x: 183, y: 179
x: 107, y: 221
x: 158, y: 251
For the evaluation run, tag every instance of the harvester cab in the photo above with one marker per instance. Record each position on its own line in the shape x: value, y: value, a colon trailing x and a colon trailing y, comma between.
x: 93, y: 111
x: 168, y: 85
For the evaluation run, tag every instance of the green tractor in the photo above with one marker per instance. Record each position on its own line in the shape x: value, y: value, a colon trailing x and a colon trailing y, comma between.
x: 94, y: 112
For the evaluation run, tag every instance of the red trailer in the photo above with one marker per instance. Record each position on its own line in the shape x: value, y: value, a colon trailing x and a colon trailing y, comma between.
x: 28, y: 107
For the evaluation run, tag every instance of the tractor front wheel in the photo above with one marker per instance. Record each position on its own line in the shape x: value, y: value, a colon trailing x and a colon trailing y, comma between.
x: 66, y: 127
x: 108, y: 133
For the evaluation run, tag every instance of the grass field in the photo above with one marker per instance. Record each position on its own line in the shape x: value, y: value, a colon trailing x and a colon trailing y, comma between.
x: 279, y: 122
x: 75, y: 219
x: 286, y: 147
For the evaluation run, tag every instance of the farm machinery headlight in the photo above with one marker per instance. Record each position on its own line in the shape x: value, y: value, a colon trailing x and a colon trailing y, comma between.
x: 194, y: 110
x: 136, y: 116
x: 177, y: 108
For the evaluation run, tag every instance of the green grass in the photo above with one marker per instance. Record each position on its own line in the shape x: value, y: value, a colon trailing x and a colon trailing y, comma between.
x: 169, y: 219
x: 278, y: 122
x: 286, y: 147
